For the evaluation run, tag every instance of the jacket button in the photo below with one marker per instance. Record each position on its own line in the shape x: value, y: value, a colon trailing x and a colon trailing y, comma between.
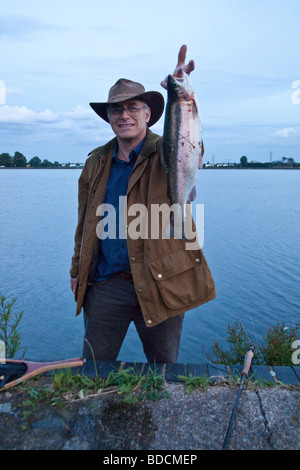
x: 132, y: 258
x: 139, y: 291
x: 149, y: 322
x: 159, y: 276
x: 197, y: 260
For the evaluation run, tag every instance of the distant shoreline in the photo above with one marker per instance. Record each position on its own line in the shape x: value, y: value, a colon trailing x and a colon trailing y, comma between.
x: 54, y: 168
x: 250, y: 168
x: 205, y: 168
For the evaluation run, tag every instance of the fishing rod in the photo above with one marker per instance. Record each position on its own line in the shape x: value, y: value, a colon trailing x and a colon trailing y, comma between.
x: 246, y: 367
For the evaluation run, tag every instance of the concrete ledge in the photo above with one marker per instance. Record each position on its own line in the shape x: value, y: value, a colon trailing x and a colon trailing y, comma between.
x: 276, y: 374
x: 190, y: 421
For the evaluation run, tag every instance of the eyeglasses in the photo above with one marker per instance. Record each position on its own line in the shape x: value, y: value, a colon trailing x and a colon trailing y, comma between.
x: 132, y: 110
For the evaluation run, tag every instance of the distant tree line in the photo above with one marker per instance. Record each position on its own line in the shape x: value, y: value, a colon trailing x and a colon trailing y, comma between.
x: 20, y: 161
x: 285, y: 162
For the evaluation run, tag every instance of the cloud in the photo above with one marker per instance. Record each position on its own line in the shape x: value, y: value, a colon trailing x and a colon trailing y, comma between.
x: 23, y: 115
x: 79, y: 125
x: 78, y: 113
x: 20, y: 27
x: 14, y: 92
x: 286, y: 132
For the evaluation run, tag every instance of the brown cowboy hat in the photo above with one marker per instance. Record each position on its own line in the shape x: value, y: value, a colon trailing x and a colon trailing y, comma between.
x: 124, y: 90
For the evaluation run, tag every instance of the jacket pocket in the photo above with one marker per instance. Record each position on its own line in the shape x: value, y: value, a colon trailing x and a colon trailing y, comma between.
x: 182, y: 278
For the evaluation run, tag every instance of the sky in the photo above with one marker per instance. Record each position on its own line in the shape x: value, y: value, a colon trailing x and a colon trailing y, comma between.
x: 58, y: 56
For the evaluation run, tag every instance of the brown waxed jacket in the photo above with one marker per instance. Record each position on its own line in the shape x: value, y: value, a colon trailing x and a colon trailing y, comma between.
x: 168, y: 278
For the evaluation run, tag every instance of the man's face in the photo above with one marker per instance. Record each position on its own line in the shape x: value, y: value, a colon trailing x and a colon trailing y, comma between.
x: 127, y: 125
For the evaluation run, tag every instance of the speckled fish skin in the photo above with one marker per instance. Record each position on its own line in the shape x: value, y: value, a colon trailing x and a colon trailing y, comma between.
x: 182, y: 140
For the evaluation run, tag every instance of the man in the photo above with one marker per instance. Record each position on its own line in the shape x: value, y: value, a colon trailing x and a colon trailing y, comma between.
x: 143, y: 279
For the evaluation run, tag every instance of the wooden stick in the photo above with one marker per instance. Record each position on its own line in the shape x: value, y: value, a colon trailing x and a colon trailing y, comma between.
x: 36, y: 368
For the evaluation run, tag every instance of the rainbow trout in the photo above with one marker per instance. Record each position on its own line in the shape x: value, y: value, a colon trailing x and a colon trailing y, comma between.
x: 182, y: 149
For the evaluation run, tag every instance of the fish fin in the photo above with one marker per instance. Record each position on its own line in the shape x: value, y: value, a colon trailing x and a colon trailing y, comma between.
x: 174, y: 228
x: 162, y: 157
x: 201, y: 155
x: 200, y: 161
x: 196, y: 106
x: 192, y: 195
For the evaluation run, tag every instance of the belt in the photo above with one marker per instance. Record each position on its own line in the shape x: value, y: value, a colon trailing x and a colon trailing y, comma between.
x: 127, y: 275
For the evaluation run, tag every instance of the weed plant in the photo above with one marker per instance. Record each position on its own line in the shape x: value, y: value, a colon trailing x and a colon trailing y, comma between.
x: 276, y: 349
x: 10, y: 335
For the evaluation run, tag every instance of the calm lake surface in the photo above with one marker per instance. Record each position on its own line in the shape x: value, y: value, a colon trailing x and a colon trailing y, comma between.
x: 251, y: 243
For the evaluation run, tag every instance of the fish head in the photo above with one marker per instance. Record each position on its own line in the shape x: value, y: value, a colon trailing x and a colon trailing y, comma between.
x: 180, y: 87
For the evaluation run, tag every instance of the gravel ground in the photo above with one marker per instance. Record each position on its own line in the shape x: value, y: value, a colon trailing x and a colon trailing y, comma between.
x: 267, y: 419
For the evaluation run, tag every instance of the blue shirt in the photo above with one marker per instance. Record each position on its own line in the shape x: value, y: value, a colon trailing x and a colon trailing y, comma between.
x: 113, y: 256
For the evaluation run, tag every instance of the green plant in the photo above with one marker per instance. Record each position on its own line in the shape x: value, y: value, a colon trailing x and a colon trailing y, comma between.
x: 64, y: 382
x: 153, y: 386
x: 275, y: 350
x: 9, y: 327
x: 66, y: 386
x: 63, y: 388
x: 191, y: 382
x: 238, y: 341
x: 138, y: 386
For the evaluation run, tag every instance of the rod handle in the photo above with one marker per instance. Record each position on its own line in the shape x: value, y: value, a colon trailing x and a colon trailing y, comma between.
x: 247, y: 361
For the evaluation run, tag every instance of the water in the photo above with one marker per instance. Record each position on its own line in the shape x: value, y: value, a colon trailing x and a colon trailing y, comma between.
x: 251, y: 243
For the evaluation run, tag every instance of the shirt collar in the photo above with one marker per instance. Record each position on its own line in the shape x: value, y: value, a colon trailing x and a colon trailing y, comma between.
x: 133, y: 154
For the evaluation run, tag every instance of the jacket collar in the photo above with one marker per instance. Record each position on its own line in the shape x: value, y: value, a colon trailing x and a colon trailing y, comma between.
x: 148, y: 148
x: 150, y: 144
